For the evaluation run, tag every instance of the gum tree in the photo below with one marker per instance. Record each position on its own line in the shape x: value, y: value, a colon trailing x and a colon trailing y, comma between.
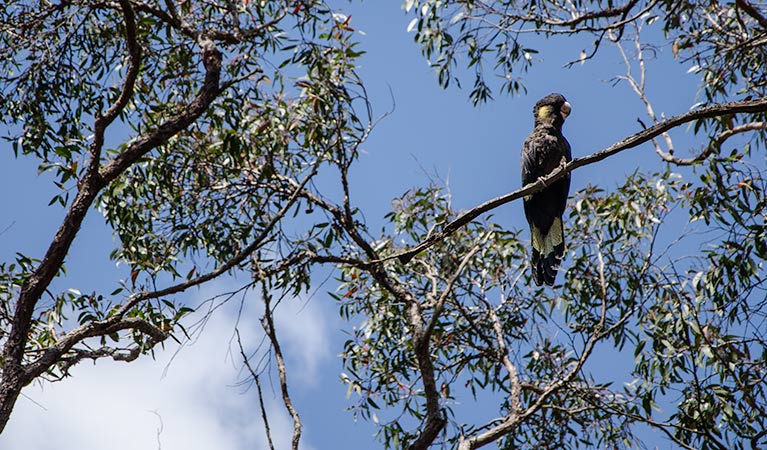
x: 235, y: 107
x: 668, y: 265
x: 224, y: 107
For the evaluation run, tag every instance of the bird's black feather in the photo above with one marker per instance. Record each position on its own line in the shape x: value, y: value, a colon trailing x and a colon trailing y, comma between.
x: 544, y: 150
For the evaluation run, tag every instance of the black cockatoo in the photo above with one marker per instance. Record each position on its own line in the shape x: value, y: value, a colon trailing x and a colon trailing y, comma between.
x: 543, y: 151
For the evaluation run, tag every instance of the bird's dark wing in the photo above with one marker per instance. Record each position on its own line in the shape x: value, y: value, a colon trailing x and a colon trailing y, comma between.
x: 563, y: 184
x: 531, y: 167
x: 542, y: 152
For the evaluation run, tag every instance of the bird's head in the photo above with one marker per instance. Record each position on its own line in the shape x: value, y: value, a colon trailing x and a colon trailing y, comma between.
x: 552, y: 109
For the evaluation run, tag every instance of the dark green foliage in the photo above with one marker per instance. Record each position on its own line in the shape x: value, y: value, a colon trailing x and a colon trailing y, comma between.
x: 221, y: 193
x: 698, y: 349
x: 664, y: 274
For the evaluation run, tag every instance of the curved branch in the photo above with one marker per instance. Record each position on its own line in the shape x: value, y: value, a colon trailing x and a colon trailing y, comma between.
x: 515, y: 418
x: 211, y: 58
x: 713, y: 146
x: 449, y: 287
x: 134, y: 64
x: 571, y: 23
x: 156, y: 335
x: 646, y: 135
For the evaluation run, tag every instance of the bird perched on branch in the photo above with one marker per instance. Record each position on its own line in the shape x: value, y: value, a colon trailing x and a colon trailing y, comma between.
x: 544, y: 150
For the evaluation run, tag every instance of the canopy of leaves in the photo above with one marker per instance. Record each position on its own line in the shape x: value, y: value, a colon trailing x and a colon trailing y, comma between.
x: 498, y: 37
x: 191, y: 126
x: 199, y: 129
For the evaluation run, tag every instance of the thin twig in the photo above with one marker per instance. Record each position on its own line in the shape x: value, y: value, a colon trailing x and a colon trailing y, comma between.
x: 255, y: 377
x: 268, y: 324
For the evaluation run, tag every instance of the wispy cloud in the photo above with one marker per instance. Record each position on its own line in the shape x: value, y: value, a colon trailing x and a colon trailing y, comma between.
x: 192, y: 402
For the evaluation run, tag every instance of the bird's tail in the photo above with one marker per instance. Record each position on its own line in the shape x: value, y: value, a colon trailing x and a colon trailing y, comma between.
x: 548, y: 250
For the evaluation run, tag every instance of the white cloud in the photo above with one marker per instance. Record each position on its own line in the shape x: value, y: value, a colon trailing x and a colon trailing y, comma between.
x: 302, y: 327
x: 195, y: 397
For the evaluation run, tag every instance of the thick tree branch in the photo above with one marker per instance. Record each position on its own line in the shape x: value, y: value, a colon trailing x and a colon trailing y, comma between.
x: 746, y: 6
x: 646, y: 135
x: 211, y: 58
x: 435, y: 421
x: 14, y: 374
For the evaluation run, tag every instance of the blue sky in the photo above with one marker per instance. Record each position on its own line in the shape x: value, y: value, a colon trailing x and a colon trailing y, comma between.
x: 194, y: 391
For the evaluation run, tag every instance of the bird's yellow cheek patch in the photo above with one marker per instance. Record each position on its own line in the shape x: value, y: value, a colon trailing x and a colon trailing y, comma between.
x: 544, y: 112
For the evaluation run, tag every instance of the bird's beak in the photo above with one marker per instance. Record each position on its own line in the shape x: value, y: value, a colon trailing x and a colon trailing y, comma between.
x: 565, y: 110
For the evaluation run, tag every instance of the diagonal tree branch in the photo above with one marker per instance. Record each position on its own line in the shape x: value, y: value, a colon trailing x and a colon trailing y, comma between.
x: 746, y: 6
x: 714, y: 145
x: 750, y: 106
x: 449, y: 287
x: 97, y: 328
x: 211, y: 58
x: 14, y: 374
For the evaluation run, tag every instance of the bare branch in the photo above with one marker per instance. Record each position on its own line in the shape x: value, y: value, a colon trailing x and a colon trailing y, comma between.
x: 515, y: 387
x: 714, y: 145
x: 449, y: 287
x: 268, y: 323
x: 255, y: 377
x: 639, y: 88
